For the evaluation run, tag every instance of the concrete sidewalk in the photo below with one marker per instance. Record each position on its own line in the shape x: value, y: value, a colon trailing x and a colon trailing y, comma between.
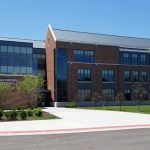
x: 76, y: 120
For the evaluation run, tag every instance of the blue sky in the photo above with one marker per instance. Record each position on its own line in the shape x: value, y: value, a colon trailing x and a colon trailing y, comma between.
x: 30, y: 18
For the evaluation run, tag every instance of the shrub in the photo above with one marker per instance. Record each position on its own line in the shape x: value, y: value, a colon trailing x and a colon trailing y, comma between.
x: 23, y: 115
x: 14, y: 114
x: 11, y: 115
x: 8, y: 115
x: 14, y: 108
x: 70, y: 105
x: 1, y: 114
x: 20, y: 108
x: 30, y: 112
x: 38, y: 112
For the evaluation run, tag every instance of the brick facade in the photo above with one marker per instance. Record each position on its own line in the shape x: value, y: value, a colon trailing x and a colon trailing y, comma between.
x: 105, y: 57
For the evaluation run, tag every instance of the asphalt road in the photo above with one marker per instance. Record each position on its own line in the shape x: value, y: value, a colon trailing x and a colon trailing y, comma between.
x: 137, y: 139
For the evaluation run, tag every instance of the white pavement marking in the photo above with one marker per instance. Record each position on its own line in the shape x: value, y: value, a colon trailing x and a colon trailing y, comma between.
x: 76, y: 120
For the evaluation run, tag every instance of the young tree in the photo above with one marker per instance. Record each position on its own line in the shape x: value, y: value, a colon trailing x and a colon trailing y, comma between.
x: 29, y: 87
x: 106, y: 98
x: 138, y: 93
x: 120, y: 97
x: 95, y: 98
x: 5, y: 91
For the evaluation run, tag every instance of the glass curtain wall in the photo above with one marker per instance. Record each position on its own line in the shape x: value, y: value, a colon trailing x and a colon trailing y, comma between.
x: 61, y: 74
x: 15, y: 60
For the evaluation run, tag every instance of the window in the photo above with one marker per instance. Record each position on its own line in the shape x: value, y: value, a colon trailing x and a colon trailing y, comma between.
x: 134, y: 58
x: 61, y: 74
x: 135, y: 76
x: 144, y: 76
x: 23, y: 60
x: 10, y: 49
x: 83, y: 56
x: 10, y: 69
x: 15, y: 59
x: 16, y: 49
x: 143, y: 59
x: 23, y: 50
x: 84, y: 74
x: 3, y: 59
x: 126, y: 58
x: 84, y: 94
x: 107, y: 75
x: 29, y: 70
x: 127, y: 94
x: 29, y: 50
x: 41, y: 72
x: 4, y: 49
x: 4, y: 69
x: 17, y: 70
x: 10, y: 59
x: 146, y: 94
x: 29, y: 60
x: 127, y: 77
x: 109, y: 94
x: 23, y: 70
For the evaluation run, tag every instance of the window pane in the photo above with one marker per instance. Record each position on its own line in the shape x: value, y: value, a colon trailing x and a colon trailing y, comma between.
x: 17, y: 59
x: 23, y: 70
x: 144, y: 76
x: 109, y: 94
x: 29, y: 70
x: 29, y: 60
x: 83, y: 56
x: 3, y: 59
x: 10, y: 69
x: 17, y: 70
x: 128, y: 94
x: 16, y: 49
x: 84, y: 74
x: 10, y: 59
x: 107, y: 75
x: 134, y: 58
x: 135, y: 76
x: 3, y: 48
x: 127, y: 76
x: 29, y: 50
x: 23, y: 50
x: 4, y: 69
x: 10, y: 49
x: 23, y: 60
x: 84, y: 94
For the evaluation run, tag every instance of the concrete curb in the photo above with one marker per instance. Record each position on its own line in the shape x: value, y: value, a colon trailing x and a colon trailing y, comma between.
x: 73, y: 130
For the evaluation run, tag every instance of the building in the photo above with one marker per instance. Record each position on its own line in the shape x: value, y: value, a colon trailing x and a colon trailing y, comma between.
x: 80, y: 63
x: 19, y: 57
x: 75, y: 64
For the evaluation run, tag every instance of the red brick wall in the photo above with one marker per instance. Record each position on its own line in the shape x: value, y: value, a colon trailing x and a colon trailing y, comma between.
x: 50, y: 45
x: 14, y: 99
x: 106, y: 57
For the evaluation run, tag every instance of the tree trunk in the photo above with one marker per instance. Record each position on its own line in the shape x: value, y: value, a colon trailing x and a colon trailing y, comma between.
x: 107, y: 104
x: 120, y: 105
x: 139, y: 105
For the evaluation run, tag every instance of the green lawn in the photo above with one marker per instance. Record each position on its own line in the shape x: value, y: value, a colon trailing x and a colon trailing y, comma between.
x: 143, y: 108
x: 47, y: 117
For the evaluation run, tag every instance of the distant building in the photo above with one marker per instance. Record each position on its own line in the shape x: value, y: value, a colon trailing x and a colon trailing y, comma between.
x: 79, y: 63
x: 19, y: 57
x: 75, y: 64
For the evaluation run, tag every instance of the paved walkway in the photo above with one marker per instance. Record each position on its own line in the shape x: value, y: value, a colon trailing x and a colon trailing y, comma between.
x: 77, y: 120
